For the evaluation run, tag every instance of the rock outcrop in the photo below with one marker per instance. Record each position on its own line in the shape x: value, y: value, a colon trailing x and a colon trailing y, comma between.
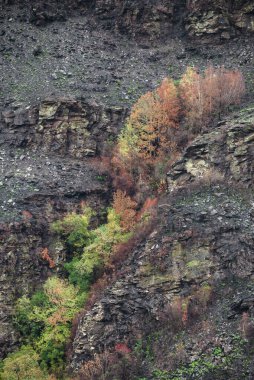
x: 209, y: 21
x: 217, y: 20
x: 140, y: 19
x: 65, y: 127
x: 224, y: 154
x: 213, y: 20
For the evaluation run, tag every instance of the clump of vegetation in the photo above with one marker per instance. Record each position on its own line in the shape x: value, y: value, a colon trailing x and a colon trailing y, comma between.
x: 194, y: 102
x: 206, y: 97
x: 74, y: 228
x: 162, y: 122
x: 23, y: 364
x: 45, y: 320
x: 96, y: 254
x: 148, y: 131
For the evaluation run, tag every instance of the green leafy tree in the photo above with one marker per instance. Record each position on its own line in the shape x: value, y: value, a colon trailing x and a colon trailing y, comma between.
x: 23, y: 365
x: 106, y: 237
x: 75, y: 229
x: 45, y: 320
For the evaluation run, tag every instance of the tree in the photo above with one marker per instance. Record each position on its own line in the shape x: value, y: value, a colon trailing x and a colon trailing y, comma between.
x: 22, y: 365
x: 153, y: 119
x: 125, y: 207
x: 75, y: 228
x: 205, y: 97
x: 193, y: 98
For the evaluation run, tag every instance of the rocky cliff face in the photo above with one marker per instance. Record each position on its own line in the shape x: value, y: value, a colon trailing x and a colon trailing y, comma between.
x: 203, y: 235
x: 45, y: 172
x: 213, y: 20
x: 226, y: 153
x: 154, y: 20
x: 47, y: 149
x: 219, y: 20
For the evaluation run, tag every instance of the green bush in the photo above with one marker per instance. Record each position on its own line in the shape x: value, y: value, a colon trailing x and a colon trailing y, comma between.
x: 51, y: 347
x: 98, y: 252
x: 44, y: 321
x: 22, y: 365
x: 75, y: 229
x: 81, y: 280
x: 27, y: 319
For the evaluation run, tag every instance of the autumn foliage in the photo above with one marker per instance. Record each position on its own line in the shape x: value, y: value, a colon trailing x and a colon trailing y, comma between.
x: 152, y: 121
x: 205, y: 97
x: 125, y: 207
x: 194, y: 102
x: 45, y: 256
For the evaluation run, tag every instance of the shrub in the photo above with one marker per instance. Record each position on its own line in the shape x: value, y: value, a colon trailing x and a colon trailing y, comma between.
x: 22, y: 365
x: 51, y: 348
x: 80, y: 280
x: 75, y: 229
x: 45, y: 320
x: 125, y: 207
x: 123, y: 172
x: 45, y: 256
x: 124, y: 249
x: 27, y: 322
x: 106, y: 237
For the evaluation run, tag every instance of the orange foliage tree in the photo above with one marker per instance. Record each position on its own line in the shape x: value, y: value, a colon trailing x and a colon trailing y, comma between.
x: 125, y: 207
x: 152, y: 121
x: 45, y: 256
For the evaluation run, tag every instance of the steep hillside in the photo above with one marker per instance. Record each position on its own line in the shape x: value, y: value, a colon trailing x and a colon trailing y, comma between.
x: 69, y: 73
x: 86, y: 49
x: 199, y: 254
